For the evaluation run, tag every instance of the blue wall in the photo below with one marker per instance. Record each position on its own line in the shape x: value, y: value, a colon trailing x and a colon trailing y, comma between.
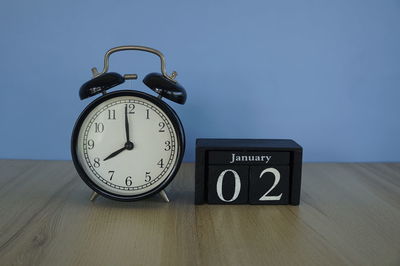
x: 325, y: 73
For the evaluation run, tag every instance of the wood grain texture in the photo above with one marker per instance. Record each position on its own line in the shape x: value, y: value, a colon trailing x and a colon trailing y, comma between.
x: 349, y: 215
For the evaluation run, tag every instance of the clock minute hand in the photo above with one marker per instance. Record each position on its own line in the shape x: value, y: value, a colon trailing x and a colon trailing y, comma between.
x: 126, y: 124
x: 115, y: 153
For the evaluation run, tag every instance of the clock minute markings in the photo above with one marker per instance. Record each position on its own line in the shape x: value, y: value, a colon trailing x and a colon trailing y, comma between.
x: 167, y: 144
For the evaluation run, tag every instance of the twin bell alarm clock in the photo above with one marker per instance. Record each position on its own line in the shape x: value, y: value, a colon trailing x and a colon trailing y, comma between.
x: 128, y: 145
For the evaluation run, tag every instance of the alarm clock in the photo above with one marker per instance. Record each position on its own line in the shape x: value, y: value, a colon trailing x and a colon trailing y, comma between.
x: 128, y: 145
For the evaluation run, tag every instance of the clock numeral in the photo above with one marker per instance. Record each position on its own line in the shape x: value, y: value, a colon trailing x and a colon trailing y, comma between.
x: 167, y: 145
x: 161, y: 163
x: 96, y: 162
x: 161, y: 125
x: 111, y: 114
x: 98, y: 127
x: 131, y: 108
x: 147, y: 177
x: 147, y: 114
x: 90, y: 144
x: 111, y: 174
x: 128, y: 181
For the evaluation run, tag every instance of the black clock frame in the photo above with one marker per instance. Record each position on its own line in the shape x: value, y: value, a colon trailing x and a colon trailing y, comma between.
x: 176, y: 123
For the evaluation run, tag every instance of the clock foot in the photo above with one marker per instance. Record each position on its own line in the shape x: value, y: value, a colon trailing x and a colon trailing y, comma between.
x: 164, y: 195
x: 93, y: 196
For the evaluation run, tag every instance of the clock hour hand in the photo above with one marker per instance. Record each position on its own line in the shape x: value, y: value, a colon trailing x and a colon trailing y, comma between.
x: 114, y: 153
x: 128, y: 146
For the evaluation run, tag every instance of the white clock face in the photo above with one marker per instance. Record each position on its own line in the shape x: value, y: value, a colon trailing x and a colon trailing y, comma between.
x: 127, y: 145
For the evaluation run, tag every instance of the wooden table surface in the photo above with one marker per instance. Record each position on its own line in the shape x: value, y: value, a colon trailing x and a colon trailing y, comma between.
x: 349, y: 215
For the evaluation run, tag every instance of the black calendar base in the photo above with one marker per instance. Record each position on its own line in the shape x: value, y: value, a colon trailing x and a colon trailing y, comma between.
x: 248, y: 171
